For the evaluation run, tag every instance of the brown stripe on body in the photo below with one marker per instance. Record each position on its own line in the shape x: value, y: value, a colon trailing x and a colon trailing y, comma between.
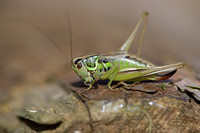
x: 131, y: 71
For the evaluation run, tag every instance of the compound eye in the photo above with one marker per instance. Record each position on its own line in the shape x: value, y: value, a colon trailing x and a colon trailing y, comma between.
x: 79, y: 65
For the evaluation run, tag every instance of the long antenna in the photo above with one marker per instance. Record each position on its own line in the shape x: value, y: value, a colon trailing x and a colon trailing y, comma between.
x: 40, y: 30
x: 70, y: 33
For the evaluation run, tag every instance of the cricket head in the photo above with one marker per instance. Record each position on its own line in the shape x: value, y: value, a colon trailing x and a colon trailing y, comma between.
x: 84, y: 66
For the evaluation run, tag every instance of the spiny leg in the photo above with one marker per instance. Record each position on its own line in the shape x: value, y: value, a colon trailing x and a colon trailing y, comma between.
x: 122, y: 83
x: 90, y: 86
x: 112, y: 77
x: 142, y: 35
x: 128, y: 86
x: 128, y: 42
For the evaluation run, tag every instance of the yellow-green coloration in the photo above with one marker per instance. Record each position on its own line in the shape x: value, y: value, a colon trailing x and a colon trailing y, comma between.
x: 121, y: 65
x: 163, y: 86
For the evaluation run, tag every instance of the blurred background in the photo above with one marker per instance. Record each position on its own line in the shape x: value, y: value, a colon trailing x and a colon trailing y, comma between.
x: 173, y: 34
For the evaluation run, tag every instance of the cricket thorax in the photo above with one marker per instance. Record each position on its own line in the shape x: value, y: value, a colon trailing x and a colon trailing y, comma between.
x: 91, y: 62
x: 104, y: 65
x: 97, y: 66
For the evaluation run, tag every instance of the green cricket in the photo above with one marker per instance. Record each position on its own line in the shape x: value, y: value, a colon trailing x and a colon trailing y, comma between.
x: 121, y: 65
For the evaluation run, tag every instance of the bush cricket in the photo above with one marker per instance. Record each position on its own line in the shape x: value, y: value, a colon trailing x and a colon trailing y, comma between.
x: 121, y: 65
